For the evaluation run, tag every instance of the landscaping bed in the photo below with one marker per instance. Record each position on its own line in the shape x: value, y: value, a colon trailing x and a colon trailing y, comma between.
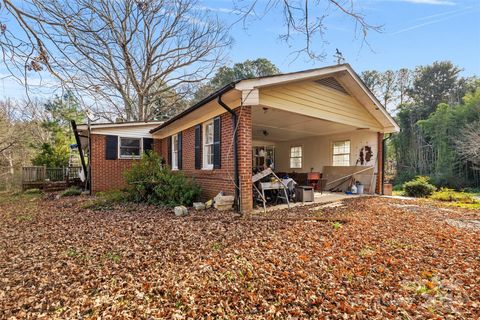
x: 367, y: 258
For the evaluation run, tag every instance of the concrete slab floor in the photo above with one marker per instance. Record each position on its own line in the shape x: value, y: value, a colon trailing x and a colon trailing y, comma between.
x: 319, y: 198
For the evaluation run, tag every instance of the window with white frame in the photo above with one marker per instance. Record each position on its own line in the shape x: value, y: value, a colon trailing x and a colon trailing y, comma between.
x: 130, y: 147
x: 341, y: 153
x: 175, y: 152
x: 208, y: 145
x: 296, y: 154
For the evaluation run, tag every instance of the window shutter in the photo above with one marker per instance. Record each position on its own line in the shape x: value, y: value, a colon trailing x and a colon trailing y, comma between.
x: 169, y: 160
x: 179, y: 150
x: 147, y: 144
x: 198, y: 146
x: 111, y: 147
x: 217, y: 153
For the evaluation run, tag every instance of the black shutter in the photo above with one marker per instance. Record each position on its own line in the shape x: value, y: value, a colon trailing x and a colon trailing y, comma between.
x: 198, y: 146
x: 111, y: 147
x: 179, y: 150
x: 169, y: 160
x: 147, y: 144
x: 217, y: 153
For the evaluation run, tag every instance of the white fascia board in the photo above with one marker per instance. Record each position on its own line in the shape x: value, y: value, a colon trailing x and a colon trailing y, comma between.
x: 284, y: 78
x: 374, y: 99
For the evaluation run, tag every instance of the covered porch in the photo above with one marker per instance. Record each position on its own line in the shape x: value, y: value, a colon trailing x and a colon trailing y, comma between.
x: 300, y: 147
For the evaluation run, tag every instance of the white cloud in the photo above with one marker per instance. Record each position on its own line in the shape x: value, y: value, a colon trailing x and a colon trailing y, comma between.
x: 432, y: 2
x: 440, y: 18
x: 426, y: 2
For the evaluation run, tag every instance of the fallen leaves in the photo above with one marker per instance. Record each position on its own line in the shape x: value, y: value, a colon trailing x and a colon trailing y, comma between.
x: 383, y: 260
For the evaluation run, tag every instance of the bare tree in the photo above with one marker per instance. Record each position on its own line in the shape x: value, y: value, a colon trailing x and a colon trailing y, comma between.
x: 403, y: 84
x: 122, y: 54
x: 9, y: 137
x: 307, y: 19
x: 468, y: 145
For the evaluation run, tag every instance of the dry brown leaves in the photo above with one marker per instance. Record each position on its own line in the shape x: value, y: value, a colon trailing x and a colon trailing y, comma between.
x: 383, y: 260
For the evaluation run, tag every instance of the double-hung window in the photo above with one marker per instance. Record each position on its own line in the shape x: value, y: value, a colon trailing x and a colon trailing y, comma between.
x: 296, y: 154
x: 341, y: 153
x: 208, y: 145
x: 175, y: 152
x: 130, y: 147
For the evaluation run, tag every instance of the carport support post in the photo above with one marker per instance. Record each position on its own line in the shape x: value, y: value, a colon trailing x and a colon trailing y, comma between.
x: 235, y: 152
x: 379, y: 186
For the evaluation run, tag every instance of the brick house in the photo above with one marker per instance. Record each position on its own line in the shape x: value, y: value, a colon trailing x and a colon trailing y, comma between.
x: 321, y: 120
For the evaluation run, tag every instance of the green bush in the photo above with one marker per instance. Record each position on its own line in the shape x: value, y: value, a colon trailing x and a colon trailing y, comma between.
x: 419, y: 187
x: 451, y: 195
x: 72, y: 191
x: 153, y: 183
x: 398, y: 187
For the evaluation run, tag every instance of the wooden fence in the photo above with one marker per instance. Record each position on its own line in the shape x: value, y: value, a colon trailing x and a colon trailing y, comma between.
x: 41, y: 176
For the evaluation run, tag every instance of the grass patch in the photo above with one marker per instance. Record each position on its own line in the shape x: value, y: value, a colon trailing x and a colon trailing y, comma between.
x: 107, y: 200
x: 366, y: 252
x: 216, y: 246
x: 450, y: 195
x: 464, y: 205
x: 456, y: 198
x: 70, y: 192
x: 112, y: 256
x: 24, y: 217
x: 33, y: 191
x: 72, y: 253
x: 10, y: 198
x: 337, y: 225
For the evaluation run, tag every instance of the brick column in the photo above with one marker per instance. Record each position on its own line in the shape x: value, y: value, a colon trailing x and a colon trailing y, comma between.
x: 245, y: 157
x: 379, y: 183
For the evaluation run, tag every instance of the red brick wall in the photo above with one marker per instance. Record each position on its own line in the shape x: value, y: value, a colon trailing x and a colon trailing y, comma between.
x: 108, y: 174
x: 378, y: 188
x: 216, y: 180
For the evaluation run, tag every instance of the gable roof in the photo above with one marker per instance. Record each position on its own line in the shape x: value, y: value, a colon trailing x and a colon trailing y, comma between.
x: 265, y: 81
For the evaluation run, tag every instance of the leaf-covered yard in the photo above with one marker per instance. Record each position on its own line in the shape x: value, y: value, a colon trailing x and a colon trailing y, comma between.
x: 370, y: 258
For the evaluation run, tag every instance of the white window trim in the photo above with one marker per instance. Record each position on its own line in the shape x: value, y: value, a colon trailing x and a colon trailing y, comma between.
x: 290, y: 157
x: 174, y: 163
x: 338, y: 154
x: 204, y: 137
x: 129, y: 157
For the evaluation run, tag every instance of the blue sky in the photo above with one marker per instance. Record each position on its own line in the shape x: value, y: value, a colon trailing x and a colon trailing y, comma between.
x: 415, y: 32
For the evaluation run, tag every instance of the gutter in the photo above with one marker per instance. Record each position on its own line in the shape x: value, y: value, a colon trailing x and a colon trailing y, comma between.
x: 235, y: 152
x: 197, y: 105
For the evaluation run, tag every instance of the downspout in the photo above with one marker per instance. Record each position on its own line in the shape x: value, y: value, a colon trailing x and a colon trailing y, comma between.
x: 235, y: 153
x: 384, y: 153
x: 90, y: 184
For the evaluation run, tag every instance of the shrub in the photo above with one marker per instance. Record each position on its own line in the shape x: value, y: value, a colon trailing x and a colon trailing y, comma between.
x: 153, y: 183
x: 451, y: 195
x: 72, y: 191
x: 419, y: 187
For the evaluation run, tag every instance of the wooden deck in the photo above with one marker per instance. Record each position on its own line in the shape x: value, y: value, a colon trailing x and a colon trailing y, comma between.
x: 49, y: 179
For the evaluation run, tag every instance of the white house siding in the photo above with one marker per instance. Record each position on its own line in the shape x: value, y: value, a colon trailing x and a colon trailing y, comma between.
x: 318, y: 151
